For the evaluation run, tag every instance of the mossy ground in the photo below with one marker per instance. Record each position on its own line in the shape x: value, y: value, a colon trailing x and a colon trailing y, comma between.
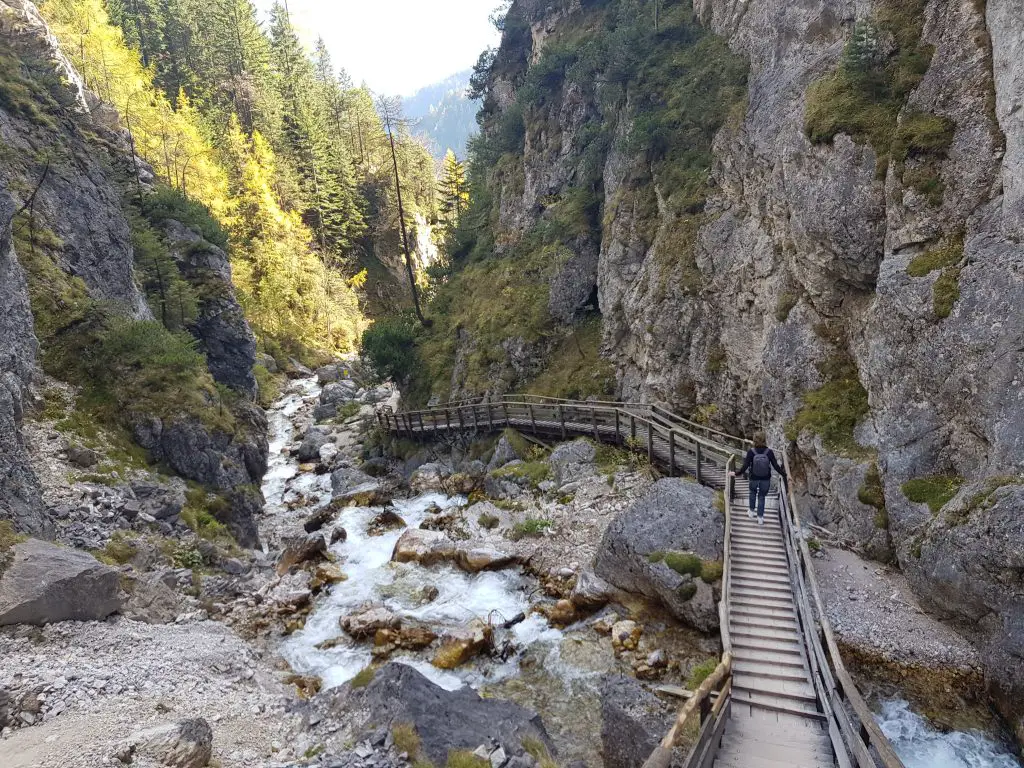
x: 833, y: 410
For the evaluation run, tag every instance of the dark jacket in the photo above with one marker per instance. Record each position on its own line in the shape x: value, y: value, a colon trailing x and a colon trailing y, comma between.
x: 750, y: 460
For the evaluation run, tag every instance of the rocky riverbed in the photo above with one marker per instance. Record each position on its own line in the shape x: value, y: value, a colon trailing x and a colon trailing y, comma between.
x: 406, y: 600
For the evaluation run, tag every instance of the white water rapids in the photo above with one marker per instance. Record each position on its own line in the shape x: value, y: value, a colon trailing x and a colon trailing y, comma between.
x: 372, y: 577
x: 920, y: 745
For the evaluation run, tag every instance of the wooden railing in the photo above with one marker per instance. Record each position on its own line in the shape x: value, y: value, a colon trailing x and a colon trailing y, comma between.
x: 672, y: 444
x: 682, y: 446
x: 856, y: 738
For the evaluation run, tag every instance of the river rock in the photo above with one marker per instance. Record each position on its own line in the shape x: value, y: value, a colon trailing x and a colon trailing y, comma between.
x: 325, y: 575
x: 633, y: 721
x: 45, y: 583
x: 301, y: 549
x: 267, y: 361
x: 446, y: 721
x: 410, y: 636
x: 351, y: 486
x: 338, y: 392
x: 318, y: 520
x: 673, y: 515
x: 476, y: 559
x: 590, y: 592
x: 461, y: 644
x: 186, y: 744
x: 386, y: 520
x: 626, y: 635
x: 366, y: 621
x: 562, y: 614
x: 328, y: 374
x: 338, y: 534
x: 314, y: 439
x: 429, y: 477
x: 427, y: 548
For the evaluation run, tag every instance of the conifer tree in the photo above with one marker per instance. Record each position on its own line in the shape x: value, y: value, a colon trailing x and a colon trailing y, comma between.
x: 453, y: 191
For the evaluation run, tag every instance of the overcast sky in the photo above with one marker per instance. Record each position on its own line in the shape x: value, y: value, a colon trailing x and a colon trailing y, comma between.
x: 397, y: 46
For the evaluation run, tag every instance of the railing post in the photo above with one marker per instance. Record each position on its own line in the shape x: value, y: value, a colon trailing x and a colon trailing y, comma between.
x: 533, y: 418
x: 632, y: 428
x: 618, y: 437
x: 671, y: 453
x: 408, y: 424
x: 504, y: 410
x: 462, y: 424
x: 705, y: 709
x: 593, y: 423
x: 697, y: 468
x: 561, y: 419
x: 448, y: 419
x: 476, y: 422
x: 422, y: 428
x: 650, y: 444
x: 490, y: 417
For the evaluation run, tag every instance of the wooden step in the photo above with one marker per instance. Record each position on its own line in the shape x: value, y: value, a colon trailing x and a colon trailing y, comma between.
x: 765, y: 585
x: 790, y: 754
x: 758, y: 536
x: 797, y: 731
x: 790, y: 658
x: 770, y: 670
x: 747, y: 686
x: 759, y: 553
x: 741, y: 759
x: 777, y: 744
x: 754, y: 562
x: 744, y: 611
x: 759, y: 644
x: 753, y: 624
x: 753, y: 604
x: 761, y: 633
x: 758, y: 595
x: 745, y: 569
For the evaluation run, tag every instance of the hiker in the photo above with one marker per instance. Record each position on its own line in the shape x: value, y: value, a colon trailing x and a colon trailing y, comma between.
x: 760, y: 460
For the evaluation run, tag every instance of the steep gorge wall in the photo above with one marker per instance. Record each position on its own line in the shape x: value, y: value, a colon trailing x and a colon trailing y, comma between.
x: 794, y: 297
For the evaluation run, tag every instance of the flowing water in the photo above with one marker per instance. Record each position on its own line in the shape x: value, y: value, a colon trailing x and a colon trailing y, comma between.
x: 920, y: 745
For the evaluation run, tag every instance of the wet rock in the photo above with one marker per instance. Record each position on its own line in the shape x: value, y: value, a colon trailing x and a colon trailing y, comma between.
x: 368, y: 620
x: 445, y: 721
x: 186, y: 744
x: 476, y: 559
x: 338, y: 534
x: 83, y: 457
x: 325, y: 575
x: 314, y: 439
x: 633, y: 721
x: 387, y: 520
x: 673, y: 515
x: 324, y: 413
x: 45, y: 583
x: 562, y: 614
x: 301, y: 549
x: 429, y: 593
x: 424, y: 547
x: 410, y: 636
x: 460, y: 645
x: 591, y: 592
x: 429, y: 477
x: 351, y: 487
x: 318, y: 520
x: 626, y: 635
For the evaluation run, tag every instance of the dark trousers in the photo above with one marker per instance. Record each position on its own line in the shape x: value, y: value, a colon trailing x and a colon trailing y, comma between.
x: 758, y: 492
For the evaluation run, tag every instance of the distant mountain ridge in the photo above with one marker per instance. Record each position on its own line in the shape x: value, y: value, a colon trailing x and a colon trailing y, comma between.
x: 444, y: 115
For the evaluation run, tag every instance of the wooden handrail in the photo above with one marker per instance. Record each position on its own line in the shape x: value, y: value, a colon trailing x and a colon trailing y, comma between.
x: 867, y: 732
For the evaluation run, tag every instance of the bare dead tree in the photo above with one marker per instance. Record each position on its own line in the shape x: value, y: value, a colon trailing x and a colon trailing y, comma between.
x: 390, y: 113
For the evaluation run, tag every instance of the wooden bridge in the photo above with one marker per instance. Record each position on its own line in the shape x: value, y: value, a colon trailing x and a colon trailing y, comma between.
x: 781, y: 697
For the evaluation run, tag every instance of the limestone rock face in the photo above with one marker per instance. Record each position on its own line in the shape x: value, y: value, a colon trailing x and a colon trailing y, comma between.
x: 673, y: 515
x: 633, y: 721
x: 186, y: 744
x: 45, y: 584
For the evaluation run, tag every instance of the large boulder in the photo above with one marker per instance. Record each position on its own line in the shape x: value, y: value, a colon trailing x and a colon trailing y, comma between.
x: 161, y: 501
x: 674, y: 515
x: 338, y: 392
x: 349, y: 484
x: 633, y: 721
x: 151, y: 600
x: 571, y: 461
x: 314, y: 439
x: 445, y: 721
x: 504, y: 452
x: 367, y: 620
x: 301, y: 549
x: 186, y: 744
x: 45, y: 583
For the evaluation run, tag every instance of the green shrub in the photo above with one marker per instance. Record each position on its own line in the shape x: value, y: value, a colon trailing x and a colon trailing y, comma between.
x: 683, y: 563
x: 8, y: 538
x: 406, y: 739
x: 834, y: 409
x: 700, y: 673
x: 269, y: 385
x: 463, y: 758
x: 390, y: 345
x: 872, y: 493
x: 535, y: 472
x: 712, y: 570
x: 532, y: 527
x: 535, y: 748
x: 490, y: 522
x: 934, y: 490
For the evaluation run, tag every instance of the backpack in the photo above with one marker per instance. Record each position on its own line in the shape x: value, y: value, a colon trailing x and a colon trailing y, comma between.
x: 761, y: 466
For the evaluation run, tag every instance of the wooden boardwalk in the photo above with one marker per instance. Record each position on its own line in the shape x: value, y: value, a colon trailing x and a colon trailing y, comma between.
x: 774, y: 719
x: 781, y: 696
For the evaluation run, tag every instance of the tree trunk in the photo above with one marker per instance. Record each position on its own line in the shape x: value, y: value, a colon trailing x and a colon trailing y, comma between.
x: 405, y: 235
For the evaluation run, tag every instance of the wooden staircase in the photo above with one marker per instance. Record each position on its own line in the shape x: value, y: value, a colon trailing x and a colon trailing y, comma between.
x: 774, y: 720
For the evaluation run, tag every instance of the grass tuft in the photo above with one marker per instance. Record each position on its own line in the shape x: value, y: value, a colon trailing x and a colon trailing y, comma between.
x: 834, y: 409
x: 935, y: 490
x: 530, y: 528
x: 364, y: 677
x: 700, y: 673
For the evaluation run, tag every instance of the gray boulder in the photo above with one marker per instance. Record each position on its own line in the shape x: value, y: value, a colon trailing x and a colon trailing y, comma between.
x: 186, y: 744
x: 633, y: 721
x: 267, y: 361
x: 328, y: 374
x: 301, y: 549
x: 322, y: 413
x: 338, y: 392
x: 83, y: 457
x: 503, y: 454
x: 444, y: 720
x: 571, y: 461
x: 590, y: 592
x: 151, y: 600
x: 674, y: 515
x: 314, y: 439
x: 45, y: 583
x: 348, y: 481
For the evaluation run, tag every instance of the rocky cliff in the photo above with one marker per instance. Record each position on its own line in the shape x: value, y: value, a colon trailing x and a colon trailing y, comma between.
x: 103, y: 289
x: 803, y: 216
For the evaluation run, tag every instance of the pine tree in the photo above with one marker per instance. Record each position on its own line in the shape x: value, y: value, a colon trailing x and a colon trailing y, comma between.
x: 453, y: 191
